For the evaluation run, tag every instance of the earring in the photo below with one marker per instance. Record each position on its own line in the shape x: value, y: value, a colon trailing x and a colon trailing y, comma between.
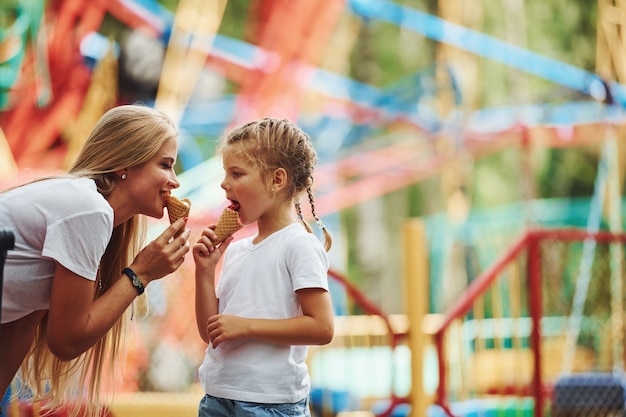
x: 123, y: 176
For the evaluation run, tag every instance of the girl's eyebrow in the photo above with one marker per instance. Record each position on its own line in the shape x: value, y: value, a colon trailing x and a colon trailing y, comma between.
x: 232, y: 167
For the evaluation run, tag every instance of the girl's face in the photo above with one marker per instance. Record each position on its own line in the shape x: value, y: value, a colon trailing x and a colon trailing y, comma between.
x: 244, y: 186
x: 150, y: 182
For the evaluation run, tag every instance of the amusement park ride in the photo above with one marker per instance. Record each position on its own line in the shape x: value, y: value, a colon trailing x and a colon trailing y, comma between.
x: 58, y: 75
x: 47, y: 81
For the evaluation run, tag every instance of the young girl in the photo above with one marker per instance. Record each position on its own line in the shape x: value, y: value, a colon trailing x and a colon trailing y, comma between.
x: 271, y: 299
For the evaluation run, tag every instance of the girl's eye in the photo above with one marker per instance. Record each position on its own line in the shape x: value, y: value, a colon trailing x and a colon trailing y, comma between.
x: 168, y: 166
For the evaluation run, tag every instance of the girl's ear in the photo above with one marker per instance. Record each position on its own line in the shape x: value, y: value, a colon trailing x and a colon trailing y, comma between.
x: 279, y: 179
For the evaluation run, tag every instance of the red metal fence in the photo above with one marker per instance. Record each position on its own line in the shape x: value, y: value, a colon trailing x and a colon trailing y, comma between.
x: 539, y: 331
x: 358, y: 370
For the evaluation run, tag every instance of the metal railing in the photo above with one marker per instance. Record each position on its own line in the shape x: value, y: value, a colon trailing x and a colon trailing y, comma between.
x: 540, y: 316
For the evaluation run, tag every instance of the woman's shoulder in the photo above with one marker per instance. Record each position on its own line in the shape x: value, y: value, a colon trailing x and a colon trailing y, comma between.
x: 84, y: 187
x: 73, y: 193
x: 57, y: 184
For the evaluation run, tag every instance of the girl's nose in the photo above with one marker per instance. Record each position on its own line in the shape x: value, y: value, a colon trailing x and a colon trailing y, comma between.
x: 174, y: 182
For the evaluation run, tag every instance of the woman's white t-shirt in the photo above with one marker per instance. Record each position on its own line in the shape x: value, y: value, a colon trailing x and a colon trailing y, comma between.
x: 260, y: 281
x: 64, y: 220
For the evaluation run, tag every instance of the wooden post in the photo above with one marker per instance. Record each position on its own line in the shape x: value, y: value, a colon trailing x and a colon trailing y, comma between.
x: 416, y: 288
x: 195, y: 24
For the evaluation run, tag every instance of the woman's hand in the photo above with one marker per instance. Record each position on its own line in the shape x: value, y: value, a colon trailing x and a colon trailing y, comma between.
x: 163, y: 255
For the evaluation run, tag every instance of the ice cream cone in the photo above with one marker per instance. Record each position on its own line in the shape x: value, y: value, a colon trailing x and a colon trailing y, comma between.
x: 177, y: 208
x: 227, y: 224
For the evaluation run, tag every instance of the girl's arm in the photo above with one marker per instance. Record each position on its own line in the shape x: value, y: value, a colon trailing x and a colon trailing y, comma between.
x: 206, y: 257
x: 206, y: 301
x: 314, y: 327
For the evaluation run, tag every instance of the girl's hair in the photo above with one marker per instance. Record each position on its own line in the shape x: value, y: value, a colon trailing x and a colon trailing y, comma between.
x: 278, y: 143
x: 125, y: 136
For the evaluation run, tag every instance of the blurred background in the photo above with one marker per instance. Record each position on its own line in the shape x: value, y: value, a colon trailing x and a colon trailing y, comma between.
x: 483, y: 119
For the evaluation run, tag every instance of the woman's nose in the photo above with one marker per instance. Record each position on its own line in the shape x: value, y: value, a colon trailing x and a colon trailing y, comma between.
x: 174, y: 182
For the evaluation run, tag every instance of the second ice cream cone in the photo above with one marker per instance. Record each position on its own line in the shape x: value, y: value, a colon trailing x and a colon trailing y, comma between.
x: 227, y: 224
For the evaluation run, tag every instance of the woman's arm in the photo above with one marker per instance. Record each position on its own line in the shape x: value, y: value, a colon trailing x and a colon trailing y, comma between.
x: 314, y: 327
x: 76, y: 321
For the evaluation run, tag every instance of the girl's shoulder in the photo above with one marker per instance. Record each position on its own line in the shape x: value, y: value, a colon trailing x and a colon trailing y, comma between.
x: 291, y: 234
x: 297, y: 238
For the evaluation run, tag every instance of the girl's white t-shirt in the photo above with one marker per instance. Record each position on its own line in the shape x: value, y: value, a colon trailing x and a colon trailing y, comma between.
x: 260, y: 281
x: 64, y: 220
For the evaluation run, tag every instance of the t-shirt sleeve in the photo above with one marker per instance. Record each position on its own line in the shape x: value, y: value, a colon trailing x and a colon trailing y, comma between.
x: 308, y: 263
x: 79, y: 241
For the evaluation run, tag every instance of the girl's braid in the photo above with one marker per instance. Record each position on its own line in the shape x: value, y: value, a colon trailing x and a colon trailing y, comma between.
x: 328, y: 241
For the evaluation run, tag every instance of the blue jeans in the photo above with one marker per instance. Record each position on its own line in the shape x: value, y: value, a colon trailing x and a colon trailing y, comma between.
x: 219, y: 407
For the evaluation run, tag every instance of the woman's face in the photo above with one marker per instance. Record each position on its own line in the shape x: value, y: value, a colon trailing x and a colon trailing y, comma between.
x: 149, y: 183
x: 244, y: 186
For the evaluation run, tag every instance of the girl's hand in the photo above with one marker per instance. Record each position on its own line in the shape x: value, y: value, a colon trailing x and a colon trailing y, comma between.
x: 205, y: 254
x: 224, y: 327
x: 163, y: 255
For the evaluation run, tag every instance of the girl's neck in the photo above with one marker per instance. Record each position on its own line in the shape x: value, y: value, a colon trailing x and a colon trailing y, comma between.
x: 280, y: 219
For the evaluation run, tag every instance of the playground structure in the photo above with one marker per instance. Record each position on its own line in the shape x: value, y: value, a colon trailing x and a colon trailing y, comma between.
x: 465, y: 342
x: 519, y: 329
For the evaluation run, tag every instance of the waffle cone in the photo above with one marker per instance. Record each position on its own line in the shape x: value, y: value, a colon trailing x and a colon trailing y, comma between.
x: 177, y: 208
x: 227, y: 224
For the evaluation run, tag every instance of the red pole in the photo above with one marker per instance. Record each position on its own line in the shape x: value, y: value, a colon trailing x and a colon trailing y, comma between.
x: 463, y: 305
x: 535, y: 294
x: 441, y: 398
x: 482, y: 282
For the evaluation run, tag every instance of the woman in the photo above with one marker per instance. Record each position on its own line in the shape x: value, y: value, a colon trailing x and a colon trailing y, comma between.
x: 77, y: 264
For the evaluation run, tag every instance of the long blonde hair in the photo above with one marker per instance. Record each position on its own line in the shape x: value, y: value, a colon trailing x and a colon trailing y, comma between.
x: 124, y: 136
x: 278, y: 143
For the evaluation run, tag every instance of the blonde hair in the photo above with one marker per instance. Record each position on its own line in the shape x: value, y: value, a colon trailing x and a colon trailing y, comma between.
x: 273, y: 143
x: 125, y: 136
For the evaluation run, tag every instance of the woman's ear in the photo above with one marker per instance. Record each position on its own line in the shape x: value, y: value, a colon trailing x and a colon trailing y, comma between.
x: 122, y: 173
